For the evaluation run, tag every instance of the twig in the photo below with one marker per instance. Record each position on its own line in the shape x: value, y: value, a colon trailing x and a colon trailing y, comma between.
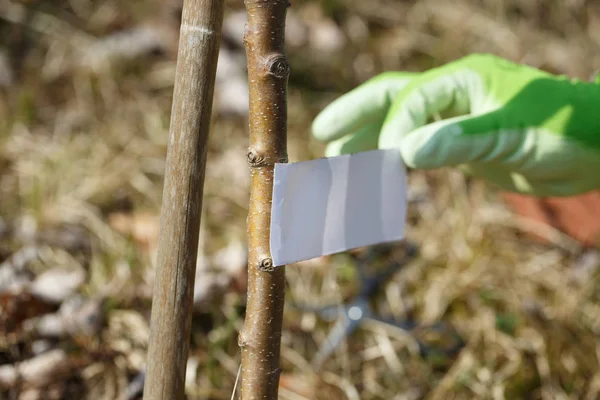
x: 268, y: 71
x: 237, y: 378
x: 182, y: 199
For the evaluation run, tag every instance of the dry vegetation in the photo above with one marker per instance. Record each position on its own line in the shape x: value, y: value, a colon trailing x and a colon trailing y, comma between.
x: 85, y: 92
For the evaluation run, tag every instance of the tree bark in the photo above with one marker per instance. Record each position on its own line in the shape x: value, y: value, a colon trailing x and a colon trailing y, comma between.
x: 199, y: 42
x: 268, y: 72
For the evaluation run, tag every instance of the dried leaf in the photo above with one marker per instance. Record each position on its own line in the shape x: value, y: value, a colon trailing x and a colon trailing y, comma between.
x: 18, y: 305
x: 83, y: 317
x: 37, y: 371
x: 56, y: 284
x: 142, y: 226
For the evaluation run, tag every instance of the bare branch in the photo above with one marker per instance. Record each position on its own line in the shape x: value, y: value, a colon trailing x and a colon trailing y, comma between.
x: 268, y: 72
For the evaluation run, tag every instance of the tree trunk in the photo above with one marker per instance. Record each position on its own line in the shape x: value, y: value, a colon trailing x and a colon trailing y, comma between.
x: 268, y: 72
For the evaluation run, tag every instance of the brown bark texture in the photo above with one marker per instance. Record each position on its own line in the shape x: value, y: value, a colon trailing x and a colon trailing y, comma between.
x: 199, y: 42
x: 268, y: 72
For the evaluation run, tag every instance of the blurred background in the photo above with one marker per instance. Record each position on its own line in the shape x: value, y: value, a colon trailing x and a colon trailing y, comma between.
x: 85, y: 99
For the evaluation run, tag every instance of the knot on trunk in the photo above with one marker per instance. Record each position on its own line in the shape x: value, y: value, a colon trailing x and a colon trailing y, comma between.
x: 257, y: 159
x: 265, y: 265
x: 277, y: 66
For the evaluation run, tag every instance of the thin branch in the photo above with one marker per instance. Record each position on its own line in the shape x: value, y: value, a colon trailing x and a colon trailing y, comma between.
x: 268, y: 72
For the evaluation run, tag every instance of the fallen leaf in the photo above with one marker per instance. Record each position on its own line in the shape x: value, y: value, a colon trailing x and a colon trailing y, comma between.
x: 37, y: 371
x: 143, y: 228
x: 56, y: 284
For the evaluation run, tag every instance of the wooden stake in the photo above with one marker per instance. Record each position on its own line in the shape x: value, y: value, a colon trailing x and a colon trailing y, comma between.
x: 268, y: 72
x: 199, y: 42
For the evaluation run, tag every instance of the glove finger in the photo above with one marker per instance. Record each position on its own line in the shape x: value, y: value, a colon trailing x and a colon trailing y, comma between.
x: 499, y: 177
x: 368, y: 103
x: 363, y: 140
x: 461, y: 140
x: 450, y: 89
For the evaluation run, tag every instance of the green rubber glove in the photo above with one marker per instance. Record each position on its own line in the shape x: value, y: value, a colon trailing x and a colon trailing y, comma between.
x: 518, y: 127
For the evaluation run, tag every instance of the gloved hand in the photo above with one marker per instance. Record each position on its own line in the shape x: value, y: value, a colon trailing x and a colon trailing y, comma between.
x: 518, y: 127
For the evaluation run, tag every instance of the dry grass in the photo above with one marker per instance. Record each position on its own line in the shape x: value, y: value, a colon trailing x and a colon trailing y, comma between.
x: 82, y: 146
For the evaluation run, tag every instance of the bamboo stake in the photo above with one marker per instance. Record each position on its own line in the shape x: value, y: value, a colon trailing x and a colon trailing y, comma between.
x: 268, y: 73
x: 182, y: 198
